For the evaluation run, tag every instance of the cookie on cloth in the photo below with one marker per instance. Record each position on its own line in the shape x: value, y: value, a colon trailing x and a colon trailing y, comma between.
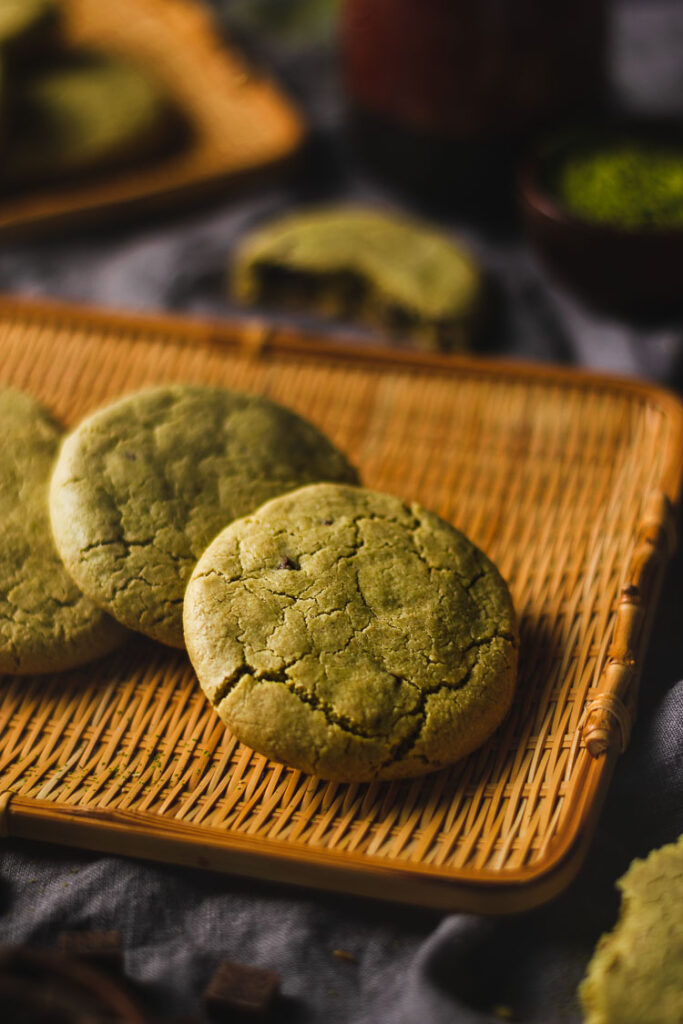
x: 46, y: 623
x: 345, y: 633
x: 636, y: 973
x: 142, y: 486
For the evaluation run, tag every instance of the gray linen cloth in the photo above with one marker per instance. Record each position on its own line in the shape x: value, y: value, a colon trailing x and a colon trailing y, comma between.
x: 408, y: 966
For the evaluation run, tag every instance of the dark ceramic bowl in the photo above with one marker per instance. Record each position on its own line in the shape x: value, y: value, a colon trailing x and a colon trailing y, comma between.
x: 629, y: 270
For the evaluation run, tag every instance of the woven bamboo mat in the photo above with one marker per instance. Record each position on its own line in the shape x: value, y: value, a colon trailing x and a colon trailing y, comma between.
x: 238, y: 123
x: 568, y: 481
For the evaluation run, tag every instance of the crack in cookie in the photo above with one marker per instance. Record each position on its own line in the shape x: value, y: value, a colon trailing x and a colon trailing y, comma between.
x: 376, y: 658
x: 46, y: 623
x: 142, y: 486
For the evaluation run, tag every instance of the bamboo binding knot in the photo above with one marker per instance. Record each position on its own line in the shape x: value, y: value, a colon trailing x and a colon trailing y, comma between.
x: 658, y: 525
x: 5, y: 812
x: 606, y: 712
x: 601, y: 715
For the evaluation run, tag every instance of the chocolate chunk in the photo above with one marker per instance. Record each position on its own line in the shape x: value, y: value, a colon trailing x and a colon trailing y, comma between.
x: 99, y: 949
x: 287, y: 563
x: 240, y: 992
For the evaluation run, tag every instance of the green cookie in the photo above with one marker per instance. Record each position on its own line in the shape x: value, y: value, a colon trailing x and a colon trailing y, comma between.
x: 141, y: 488
x: 27, y: 26
x: 636, y: 974
x: 380, y: 268
x: 86, y: 113
x: 347, y: 634
x: 46, y: 623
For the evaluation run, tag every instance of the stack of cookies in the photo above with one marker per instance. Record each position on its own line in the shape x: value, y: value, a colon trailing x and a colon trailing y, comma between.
x: 333, y: 628
x: 69, y: 112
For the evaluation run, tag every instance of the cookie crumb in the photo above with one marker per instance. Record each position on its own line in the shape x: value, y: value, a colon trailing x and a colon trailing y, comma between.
x: 344, y: 954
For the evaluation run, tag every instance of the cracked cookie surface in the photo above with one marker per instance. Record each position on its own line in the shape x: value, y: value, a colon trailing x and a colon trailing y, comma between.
x: 46, y: 623
x: 142, y: 486
x: 350, y: 635
x: 635, y: 973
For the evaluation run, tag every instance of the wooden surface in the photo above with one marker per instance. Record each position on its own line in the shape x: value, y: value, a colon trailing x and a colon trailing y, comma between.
x: 568, y: 481
x: 238, y: 122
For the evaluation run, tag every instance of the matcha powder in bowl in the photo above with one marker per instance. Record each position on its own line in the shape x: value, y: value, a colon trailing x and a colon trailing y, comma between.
x: 603, y: 206
x: 626, y: 183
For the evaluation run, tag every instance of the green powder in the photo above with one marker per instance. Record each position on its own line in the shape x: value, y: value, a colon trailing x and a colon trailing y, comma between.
x: 296, y: 22
x: 625, y: 183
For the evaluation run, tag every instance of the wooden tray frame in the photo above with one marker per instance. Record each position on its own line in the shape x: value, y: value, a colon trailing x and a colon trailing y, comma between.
x: 239, y: 123
x: 596, y: 742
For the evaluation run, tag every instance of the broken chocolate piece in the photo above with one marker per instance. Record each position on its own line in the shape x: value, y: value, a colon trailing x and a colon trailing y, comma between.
x: 236, y: 989
x: 99, y: 949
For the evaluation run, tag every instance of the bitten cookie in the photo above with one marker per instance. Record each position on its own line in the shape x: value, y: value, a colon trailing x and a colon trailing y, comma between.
x: 46, y: 623
x: 142, y: 486
x: 347, y: 634
x: 635, y: 974
x: 379, y: 268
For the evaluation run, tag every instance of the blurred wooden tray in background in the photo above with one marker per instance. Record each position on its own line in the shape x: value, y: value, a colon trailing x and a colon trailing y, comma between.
x: 238, y: 122
x: 567, y: 480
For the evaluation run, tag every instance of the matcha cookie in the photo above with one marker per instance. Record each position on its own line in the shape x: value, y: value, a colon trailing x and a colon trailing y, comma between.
x: 85, y: 113
x: 636, y: 974
x: 46, y: 623
x: 350, y: 635
x: 141, y: 488
x: 386, y: 270
x: 27, y: 26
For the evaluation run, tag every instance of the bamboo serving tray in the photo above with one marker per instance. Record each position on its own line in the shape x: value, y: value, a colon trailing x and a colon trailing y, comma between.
x: 569, y: 481
x: 238, y: 122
